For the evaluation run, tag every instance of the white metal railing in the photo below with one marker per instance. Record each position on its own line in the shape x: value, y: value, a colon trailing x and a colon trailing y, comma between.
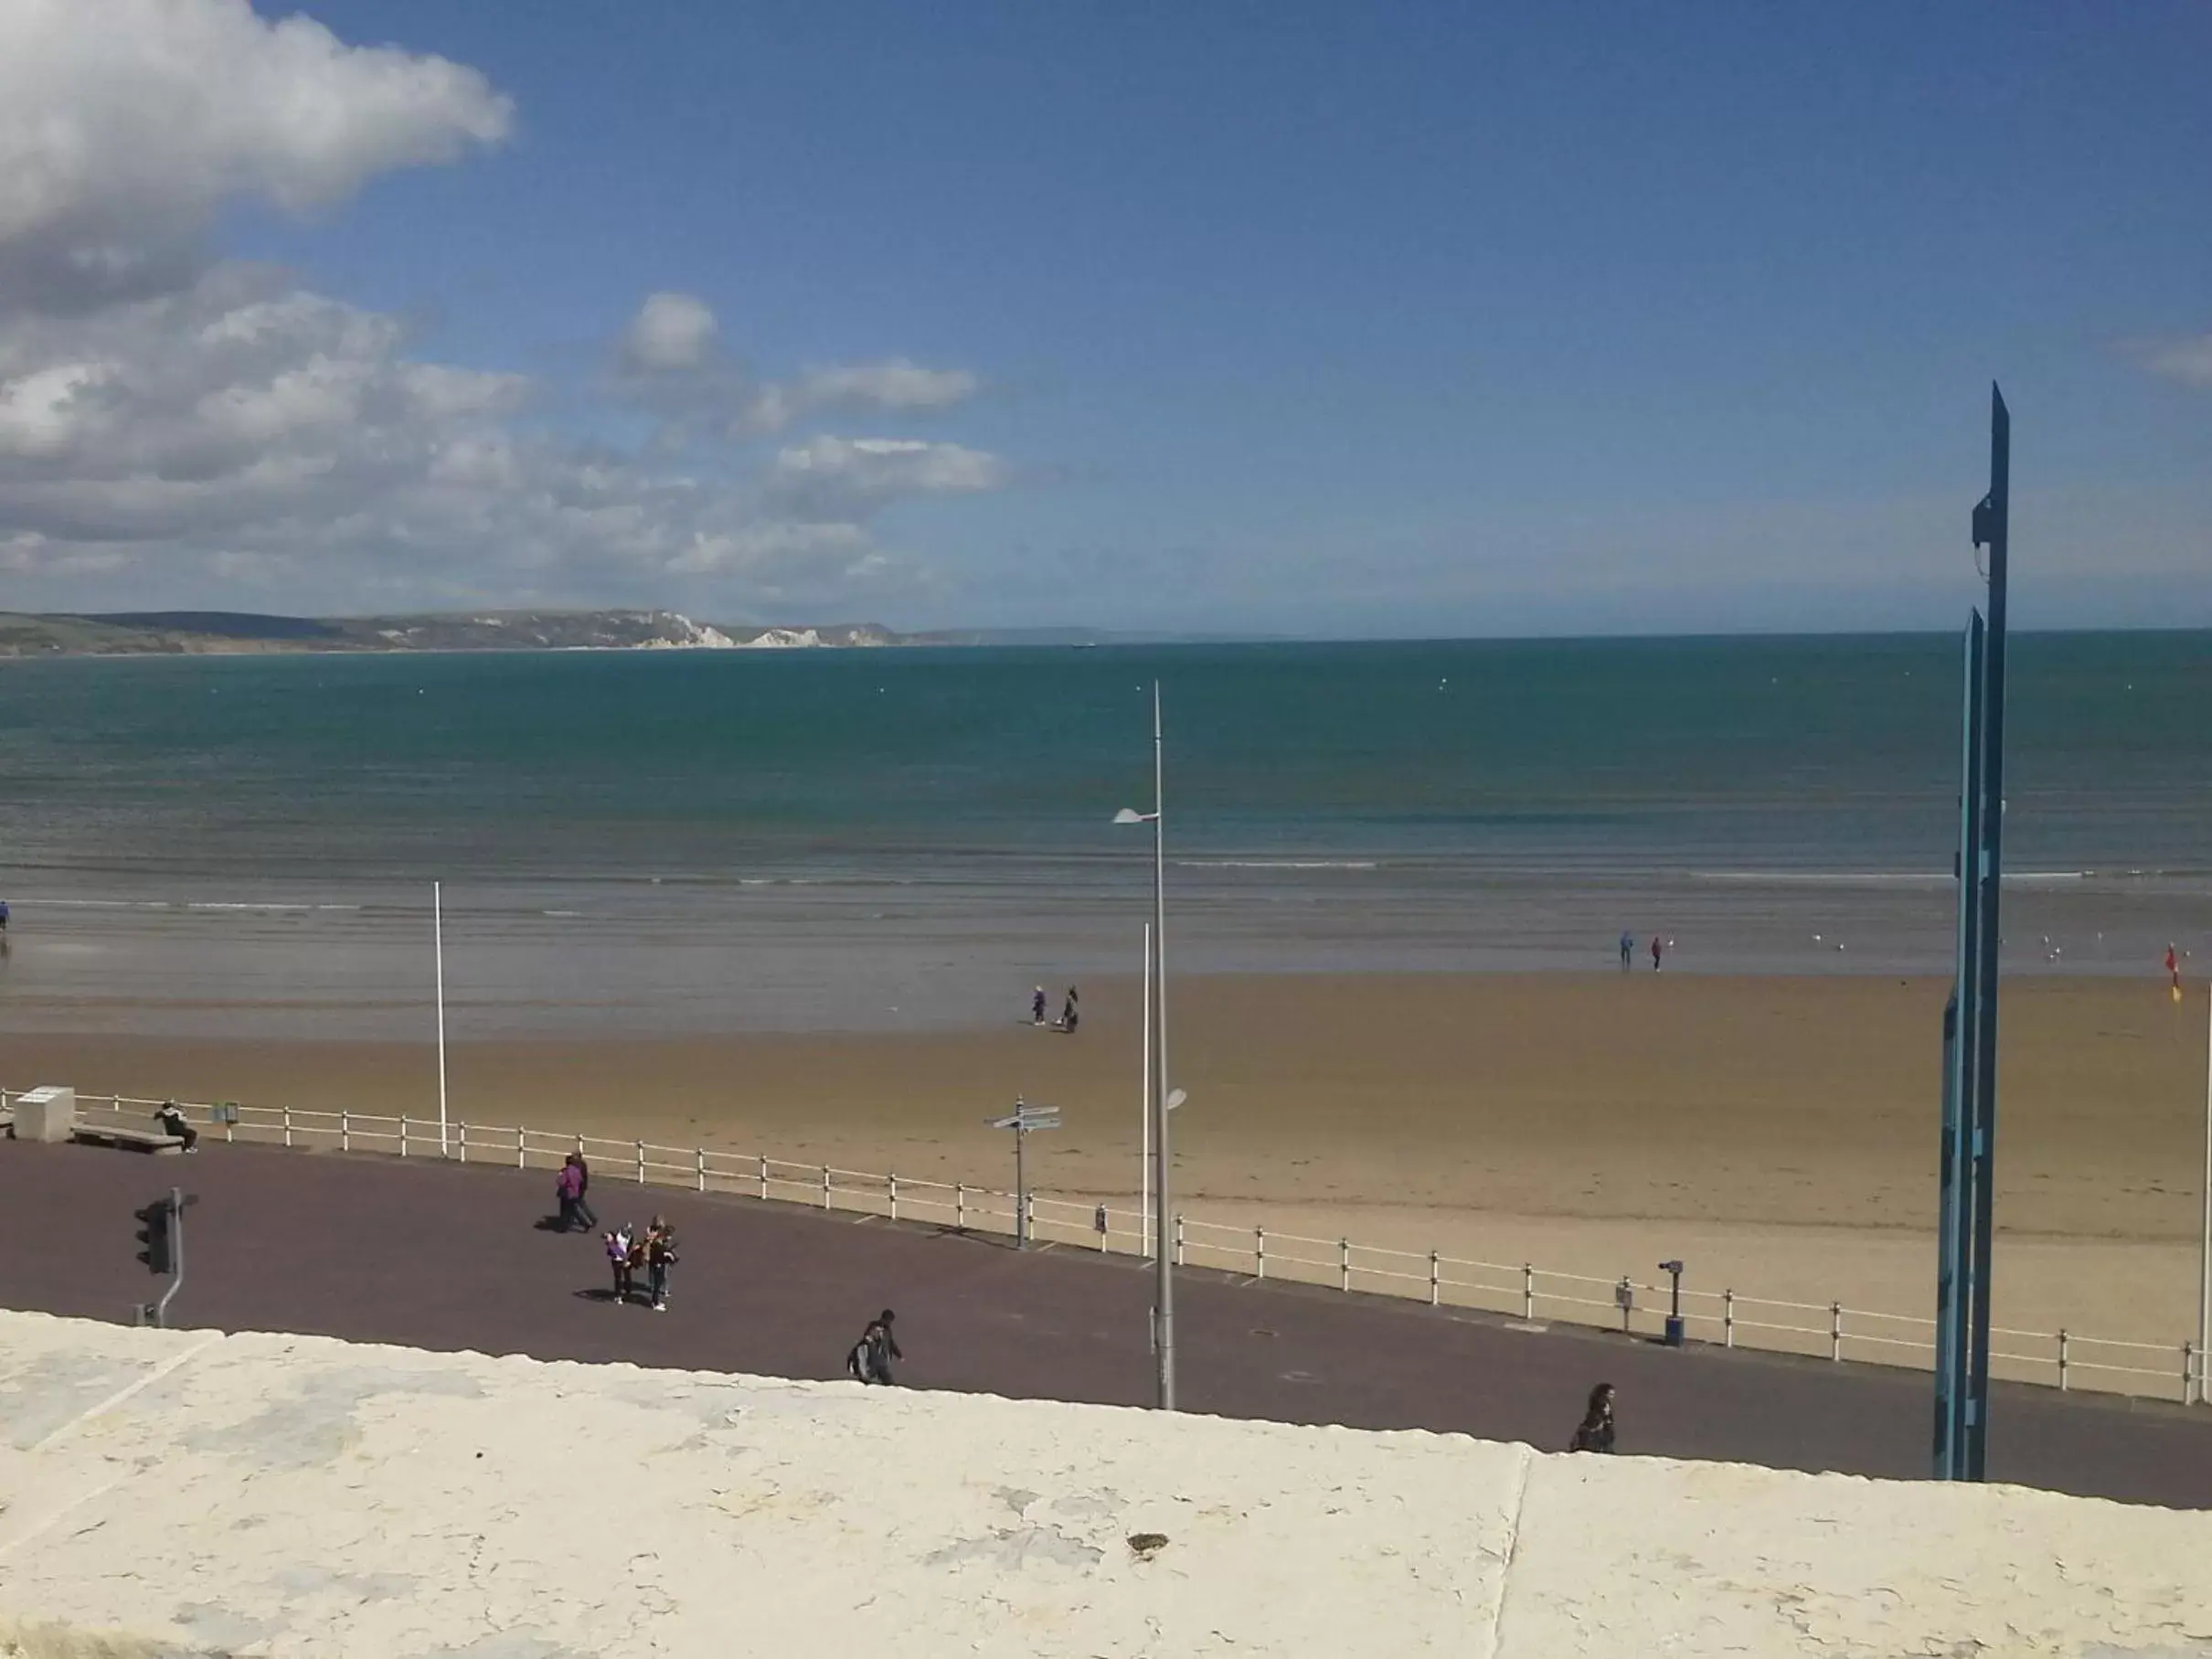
x: 2065, y: 1359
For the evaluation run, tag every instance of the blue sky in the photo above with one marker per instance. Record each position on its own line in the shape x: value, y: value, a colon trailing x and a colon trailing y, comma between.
x: 1316, y: 318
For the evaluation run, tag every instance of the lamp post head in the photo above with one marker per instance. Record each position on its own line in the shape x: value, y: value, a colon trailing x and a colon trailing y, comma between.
x: 1175, y: 1096
x: 1129, y: 814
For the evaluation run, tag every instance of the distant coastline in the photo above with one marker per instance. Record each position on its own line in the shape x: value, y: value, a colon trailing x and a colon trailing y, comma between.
x: 242, y: 633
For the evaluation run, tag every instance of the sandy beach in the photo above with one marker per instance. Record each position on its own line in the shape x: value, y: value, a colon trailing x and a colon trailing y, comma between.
x: 1776, y: 1133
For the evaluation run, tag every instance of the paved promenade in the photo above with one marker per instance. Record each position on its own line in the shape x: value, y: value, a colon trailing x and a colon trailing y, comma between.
x: 444, y: 1257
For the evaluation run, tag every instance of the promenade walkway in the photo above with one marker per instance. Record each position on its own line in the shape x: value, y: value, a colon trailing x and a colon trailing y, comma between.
x: 445, y: 1257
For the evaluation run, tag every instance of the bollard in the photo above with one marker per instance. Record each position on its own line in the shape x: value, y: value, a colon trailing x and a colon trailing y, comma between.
x: 1436, y: 1279
x: 702, y: 1169
x: 1836, y: 1330
x: 1103, y: 1226
x: 1624, y: 1295
x: 640, y: 1162
x: 522, y: 1149
x: 894, y: 1180
x: 346, y: 1132
x: 403, y: 1135
x: 1260, y: 1250
x: 1528, y: 1292
x: 763, y: 1180
x: 2061, y: 1362
x: 959, y: 1208
x: 1727, y: 1319
x: 1178, y: 1239
x: 287, y: 1121
x: 1344, y: 1264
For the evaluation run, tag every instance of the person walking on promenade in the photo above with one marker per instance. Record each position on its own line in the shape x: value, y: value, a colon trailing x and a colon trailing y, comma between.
x: 585, y: 1214
x: 568, y: 1186
x: 1658, y: 944
x: 618, y: 1258
x: 1036, y: 1007
x: 1627, y: 949
x: 871, y: 1360
x: 172, y: 1122
x: 660, y: 1256
x: 1595, y: 1432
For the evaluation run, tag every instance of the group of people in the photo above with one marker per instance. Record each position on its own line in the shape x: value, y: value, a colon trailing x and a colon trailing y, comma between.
x: 1069, y: 1012
x: 652, y: 1250
x: 1628, y: 950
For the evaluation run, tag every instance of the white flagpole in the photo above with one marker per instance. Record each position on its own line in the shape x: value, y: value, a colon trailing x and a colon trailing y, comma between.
x: 2204, y: 1260
x: 1144, y: 1243
x: 438, y: 939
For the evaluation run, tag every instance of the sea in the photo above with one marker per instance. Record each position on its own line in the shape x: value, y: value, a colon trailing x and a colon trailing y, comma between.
x: 692, y: 841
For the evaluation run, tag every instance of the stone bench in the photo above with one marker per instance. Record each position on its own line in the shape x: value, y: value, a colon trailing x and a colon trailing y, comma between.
x: 129, y: 1140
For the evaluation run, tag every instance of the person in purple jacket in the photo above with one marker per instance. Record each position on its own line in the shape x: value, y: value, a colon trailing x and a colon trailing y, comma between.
x: 568, y: 1186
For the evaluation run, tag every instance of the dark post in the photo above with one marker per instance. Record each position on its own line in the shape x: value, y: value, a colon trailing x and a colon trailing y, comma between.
x: 1992, y: 524
x: 1956, y: 1264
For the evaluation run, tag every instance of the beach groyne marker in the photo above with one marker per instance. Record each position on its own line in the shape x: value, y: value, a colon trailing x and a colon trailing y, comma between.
x: 1968, y: 1155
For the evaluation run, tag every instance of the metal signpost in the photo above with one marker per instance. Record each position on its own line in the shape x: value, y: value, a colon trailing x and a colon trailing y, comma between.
x: 1968, y: 1153
x: 1024, y: 1119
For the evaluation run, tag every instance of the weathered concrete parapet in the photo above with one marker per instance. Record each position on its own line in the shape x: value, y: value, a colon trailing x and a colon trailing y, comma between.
x: 184, y: 1492
x: 47, y: 1113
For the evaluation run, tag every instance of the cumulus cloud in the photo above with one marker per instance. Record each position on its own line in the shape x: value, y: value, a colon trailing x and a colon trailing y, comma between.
x: 174, y: 425
x: 125, y: 124
x: 2187, y: 359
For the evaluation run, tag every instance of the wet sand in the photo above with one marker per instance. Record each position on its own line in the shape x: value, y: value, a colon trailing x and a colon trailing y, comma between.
x: 1780, y: 1134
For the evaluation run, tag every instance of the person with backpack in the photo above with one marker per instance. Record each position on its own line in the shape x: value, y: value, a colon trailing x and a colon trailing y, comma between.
x: 660, y: 1256
x: 871, y: 1360
x: 618, y: 1258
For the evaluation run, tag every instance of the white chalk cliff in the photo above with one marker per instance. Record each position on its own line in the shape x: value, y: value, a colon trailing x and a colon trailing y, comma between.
x: 184, y: 1492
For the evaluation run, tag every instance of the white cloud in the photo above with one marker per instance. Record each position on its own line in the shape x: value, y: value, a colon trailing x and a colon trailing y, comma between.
x: 125, y: 124
x: 2187, y: 359
x: 170, y: 427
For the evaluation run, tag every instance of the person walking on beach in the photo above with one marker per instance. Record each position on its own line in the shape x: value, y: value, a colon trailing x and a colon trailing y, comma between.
x: 618, y: 1258
x: 1068, y: 1014
x: 1627, y: 949
x: 1658, y: 944
x: 172, y: 1122
x: 660, y: 1256
x: 1595, y: 1433
x: 871, y: 1360
x: 584, y: 1212
x: 1036, y: 1007
x: 2174, y: 968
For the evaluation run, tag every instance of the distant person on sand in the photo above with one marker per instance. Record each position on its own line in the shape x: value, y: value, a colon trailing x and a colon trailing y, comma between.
x: 3, y: 914
x: 1068, y: 1014
x: 618, y: 1260
x: 1658, y: 945
x: 1595, y: 1433
x: 584, y: 1212
x: 1627, y: 949
x: 173, y: 1122
x: 2172, y: 967
x: 871, y: 1360
x: 660, y: 1256
x: 1036, y: 1007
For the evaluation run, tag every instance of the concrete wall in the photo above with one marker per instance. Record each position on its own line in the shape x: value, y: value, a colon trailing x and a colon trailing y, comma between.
x: 186, y: 1492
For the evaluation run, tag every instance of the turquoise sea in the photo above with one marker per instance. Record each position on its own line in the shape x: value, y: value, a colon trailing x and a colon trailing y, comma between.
x: 692, y: 839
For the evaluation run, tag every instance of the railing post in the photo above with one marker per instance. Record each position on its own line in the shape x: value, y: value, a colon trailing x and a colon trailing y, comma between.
x: 959, y: 1208
x: 522, y: 1149
x: 403, y: 1121
x: 826, y: 1186
x: 1178, y: 1237
x: 287, y: 1121
x: 640, y: 1162
x: 2188, y: 1369
x: 1436, y: 1279
x: 1528, y: 1292
x: 1260, y: 1251
x: 702, y: 1157
x: 1028, y: 1204
x: 1625, y: 1295
x: 764, y: 1177
x: 2061, y: 1362
x: 346, y: 1132
x: 1836, y: 1330
x: 1344, y: 1264
x: 894, y: 1181
x: 1727, y: 1319
x: 465, y: 1142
